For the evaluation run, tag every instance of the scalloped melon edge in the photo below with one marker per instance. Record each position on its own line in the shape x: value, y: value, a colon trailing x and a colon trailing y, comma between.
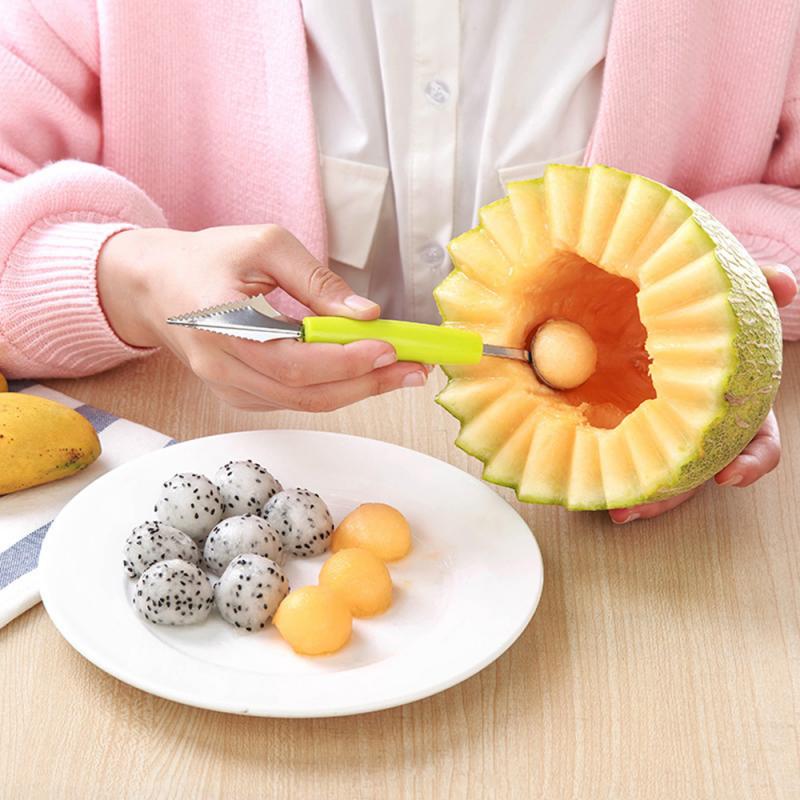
x: 746, y: 393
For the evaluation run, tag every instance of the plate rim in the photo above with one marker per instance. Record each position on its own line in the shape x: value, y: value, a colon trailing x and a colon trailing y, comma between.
x: 64, y: 627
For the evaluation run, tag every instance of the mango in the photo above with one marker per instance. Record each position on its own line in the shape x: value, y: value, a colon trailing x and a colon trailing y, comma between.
x: 41, y: 441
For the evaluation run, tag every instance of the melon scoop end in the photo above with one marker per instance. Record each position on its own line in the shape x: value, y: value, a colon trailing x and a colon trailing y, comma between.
x: 563, y: 354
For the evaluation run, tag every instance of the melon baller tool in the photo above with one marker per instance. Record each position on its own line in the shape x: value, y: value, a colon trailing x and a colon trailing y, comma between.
x: 255, y: 319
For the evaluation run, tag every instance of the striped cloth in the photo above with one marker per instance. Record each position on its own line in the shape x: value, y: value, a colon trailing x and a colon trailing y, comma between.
x: 26, y: 516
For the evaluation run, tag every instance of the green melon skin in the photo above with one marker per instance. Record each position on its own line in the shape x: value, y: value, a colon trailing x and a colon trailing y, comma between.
x: 753, y: 382
x: 749, y: 389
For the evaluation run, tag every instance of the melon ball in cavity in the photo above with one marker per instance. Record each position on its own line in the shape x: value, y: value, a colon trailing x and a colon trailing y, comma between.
x: 314, y: 620
x: 376, y: 527
x: 361, y: 579
x: 564, y: 355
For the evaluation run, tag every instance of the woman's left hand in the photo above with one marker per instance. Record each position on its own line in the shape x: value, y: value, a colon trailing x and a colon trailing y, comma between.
x: 759, y: 457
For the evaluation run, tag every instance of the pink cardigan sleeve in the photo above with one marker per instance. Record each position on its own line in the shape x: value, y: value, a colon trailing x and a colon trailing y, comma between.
x: 56, y: 207
x: 766, y: 216
x: 766, y: 219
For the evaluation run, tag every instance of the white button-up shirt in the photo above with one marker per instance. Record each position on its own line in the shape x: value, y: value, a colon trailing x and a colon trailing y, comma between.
x: 425, y: 108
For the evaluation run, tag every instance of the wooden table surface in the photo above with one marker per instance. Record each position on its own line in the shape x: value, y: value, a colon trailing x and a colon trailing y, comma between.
x: 663, y: 661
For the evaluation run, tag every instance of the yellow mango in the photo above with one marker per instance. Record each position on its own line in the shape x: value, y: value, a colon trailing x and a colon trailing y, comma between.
x: 41, y: 441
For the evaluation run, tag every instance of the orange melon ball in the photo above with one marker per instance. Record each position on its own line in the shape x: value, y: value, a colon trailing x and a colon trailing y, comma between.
x: 564, y: 355
x: 314, y: 620
x: 361, y: 579
x: 376, y: 527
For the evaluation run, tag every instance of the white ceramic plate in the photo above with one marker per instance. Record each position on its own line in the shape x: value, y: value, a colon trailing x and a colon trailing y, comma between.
x: 462, y: 596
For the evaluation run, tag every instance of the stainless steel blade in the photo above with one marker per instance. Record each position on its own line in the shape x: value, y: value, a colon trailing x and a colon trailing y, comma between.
x: 507, y: 352
x: 252, y: 318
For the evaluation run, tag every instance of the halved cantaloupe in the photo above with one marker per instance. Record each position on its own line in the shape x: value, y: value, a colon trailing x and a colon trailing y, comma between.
x: 686, y: 332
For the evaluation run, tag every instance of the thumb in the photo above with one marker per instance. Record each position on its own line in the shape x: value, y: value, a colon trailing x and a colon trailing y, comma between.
x: 782, y: 281
x: 300, y: 275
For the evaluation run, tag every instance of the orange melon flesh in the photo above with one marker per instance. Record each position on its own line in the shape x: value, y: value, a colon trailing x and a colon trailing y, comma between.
x: 314, y: 620
x: 376, y: 527
x: 360, y: 578
x: 685, y: 329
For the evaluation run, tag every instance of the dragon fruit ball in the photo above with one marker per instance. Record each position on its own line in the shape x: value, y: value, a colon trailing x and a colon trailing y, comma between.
x: 235, y: 536
x: 190, y: 503
x: 245, y: 487
x: 173, y: 592
x: 250, y: 591
x: 156, y: 541
x: 303, y: 521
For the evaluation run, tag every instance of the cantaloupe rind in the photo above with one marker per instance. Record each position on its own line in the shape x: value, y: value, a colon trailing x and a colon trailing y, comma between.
x: 698, y: 303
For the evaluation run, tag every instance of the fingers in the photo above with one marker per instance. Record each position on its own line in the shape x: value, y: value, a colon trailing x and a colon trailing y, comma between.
x: 299, y: 274
x: 757, y: 459
x: 243, y: 401
x: 650, y: 510
x: 297, y: 364
x: 782, y: 282
x: 227, y: 372
x: 330, y: 396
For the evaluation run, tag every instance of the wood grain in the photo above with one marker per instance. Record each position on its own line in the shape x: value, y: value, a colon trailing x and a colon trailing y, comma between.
x: 663, y: 662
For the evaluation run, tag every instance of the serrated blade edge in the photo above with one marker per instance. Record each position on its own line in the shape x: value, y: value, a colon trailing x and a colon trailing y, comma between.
x: 250, y: 318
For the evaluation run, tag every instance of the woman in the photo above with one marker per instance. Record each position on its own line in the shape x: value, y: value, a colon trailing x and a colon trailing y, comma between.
x: 164, y: 156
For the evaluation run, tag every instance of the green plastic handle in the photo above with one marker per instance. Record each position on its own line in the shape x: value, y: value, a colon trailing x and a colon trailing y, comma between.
x: 413, y: 341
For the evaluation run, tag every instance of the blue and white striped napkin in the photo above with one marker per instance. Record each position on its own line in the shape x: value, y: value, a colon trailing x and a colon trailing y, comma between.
x: 26, y: 516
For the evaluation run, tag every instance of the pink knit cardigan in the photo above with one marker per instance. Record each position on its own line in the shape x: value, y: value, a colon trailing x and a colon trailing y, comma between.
x: 190, y: 114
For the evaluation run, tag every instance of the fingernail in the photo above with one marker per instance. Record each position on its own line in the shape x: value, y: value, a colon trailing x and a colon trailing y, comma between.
x: 734, y: 480
x: 769, y: 270
x: 385, y: 360
x: 787, y: 271
x: 632, y: 517
x: 414, y: 379
x: 358, y: 303
x: 772, y: 270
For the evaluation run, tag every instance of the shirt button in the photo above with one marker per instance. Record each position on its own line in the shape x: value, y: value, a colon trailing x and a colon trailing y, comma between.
x: 431, y: 254
x: 437, y: 92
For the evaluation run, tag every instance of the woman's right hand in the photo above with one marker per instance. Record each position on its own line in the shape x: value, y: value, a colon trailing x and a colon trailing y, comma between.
x: 145, y: 275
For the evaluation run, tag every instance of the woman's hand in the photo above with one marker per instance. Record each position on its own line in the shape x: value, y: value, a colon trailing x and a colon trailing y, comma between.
x: 146, y: 275
x: 764, y: 451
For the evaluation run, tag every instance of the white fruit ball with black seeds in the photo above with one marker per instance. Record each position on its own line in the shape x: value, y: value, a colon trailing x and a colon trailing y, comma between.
x: 173, y: 592
x: 234, y: 536
x: 303, y: 521
x: 191, y: 503
x: 245, y: 487
x: 250, y: 591
x: 155, y: 541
